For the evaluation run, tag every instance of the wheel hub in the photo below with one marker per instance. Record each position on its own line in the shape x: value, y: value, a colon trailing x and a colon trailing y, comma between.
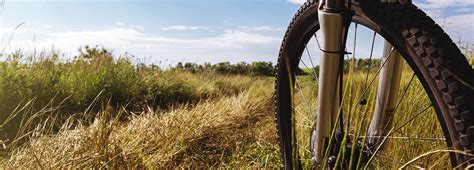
x: 360, y: 153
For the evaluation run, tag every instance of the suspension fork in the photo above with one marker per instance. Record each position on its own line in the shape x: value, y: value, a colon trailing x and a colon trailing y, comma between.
x: 387, y: 90
x: 334, y: 29
x: 388, y: 87
x: 334, y: 20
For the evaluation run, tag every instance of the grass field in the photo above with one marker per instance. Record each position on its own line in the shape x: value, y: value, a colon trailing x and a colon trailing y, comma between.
x: 97, y: 111
x: 412, y: 105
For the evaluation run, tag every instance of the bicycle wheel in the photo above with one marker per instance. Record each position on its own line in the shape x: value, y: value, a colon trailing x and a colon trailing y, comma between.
x: 444, y: 113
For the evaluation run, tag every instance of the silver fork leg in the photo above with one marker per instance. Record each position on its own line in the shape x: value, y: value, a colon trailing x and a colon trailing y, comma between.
x: 389, y: 83
x: 332, y: 31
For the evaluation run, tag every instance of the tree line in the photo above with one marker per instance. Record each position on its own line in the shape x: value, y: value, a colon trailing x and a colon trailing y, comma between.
x: 263, y: 68
x: 258, y: 68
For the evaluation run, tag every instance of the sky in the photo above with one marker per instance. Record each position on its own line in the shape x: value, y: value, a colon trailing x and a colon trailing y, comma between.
x: 165, y: 32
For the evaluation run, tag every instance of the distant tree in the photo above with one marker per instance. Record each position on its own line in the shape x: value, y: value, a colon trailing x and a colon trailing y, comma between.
x: 190, y: 67
x: 368, y: 63
x: 222, y: 68
x: 154, y: 67
x: 95, y: 53
x: 180, y: 65
x: 261, y: 68
x: 242, y: 68
x: 207, y: 66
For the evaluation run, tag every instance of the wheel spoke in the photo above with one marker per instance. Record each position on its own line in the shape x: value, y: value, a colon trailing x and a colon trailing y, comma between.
x: 405, y: 91
x: 413, y: 118
x: 305, y: 149
x: 300, y: 124
x: 400, y: 127
x: 407, y: 138
x: 355, y: 42
x: 391, y: 159
x: 364, y: 92
x: 398, y: 162
x: 370, y: 59
x: 308, y: 105
x: 313, y: 72
x: 312, y: 64
x: 317, y: 41
x: 303, y: 125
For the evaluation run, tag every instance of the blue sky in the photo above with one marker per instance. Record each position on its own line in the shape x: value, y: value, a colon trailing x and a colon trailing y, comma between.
x: 169, y: 31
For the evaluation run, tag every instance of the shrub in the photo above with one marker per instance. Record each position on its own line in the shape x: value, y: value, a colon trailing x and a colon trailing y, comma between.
x: 95, y: 78
x: 226, y: 68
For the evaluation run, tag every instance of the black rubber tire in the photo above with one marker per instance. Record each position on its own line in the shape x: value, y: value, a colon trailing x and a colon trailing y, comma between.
x: 437, y: 62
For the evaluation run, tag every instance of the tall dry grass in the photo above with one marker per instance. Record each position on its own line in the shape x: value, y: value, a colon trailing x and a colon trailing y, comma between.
x: 95, y: 79
x: 183, y: 119
x: 231, y: 131
x: 236, y: 129
x: 412, y: 100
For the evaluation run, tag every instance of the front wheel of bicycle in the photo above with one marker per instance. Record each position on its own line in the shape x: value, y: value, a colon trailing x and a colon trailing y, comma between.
x: 430, y: 129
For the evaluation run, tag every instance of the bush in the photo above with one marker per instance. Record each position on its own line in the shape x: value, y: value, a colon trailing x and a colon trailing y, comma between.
x: 226, y: 68
x: 95, y: 78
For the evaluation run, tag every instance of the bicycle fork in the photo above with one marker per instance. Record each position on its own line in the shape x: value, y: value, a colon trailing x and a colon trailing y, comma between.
x: 334, y: 26
x: 387, y: 91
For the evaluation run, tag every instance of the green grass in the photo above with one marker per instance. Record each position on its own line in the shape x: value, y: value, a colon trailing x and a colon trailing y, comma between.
x: 230, y: 131
x: 95, y: 111
x: 414, y: 101
x: 94, y: 80
x: 101, y: 112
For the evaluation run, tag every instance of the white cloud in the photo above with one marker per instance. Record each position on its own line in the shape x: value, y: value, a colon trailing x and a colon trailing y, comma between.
x: 297, y: 1
x: 212, y: 29
x: 460, y: 27
x: 229, y: 45
x: 465, y: 10
x: 47, y: 26
x: 119, y: 23
x: 260, y: 28
x: 440, y: 8
x: 184, y: 28
x: 442, y: 4
x: 454, y: 16
x: 127, y: 26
